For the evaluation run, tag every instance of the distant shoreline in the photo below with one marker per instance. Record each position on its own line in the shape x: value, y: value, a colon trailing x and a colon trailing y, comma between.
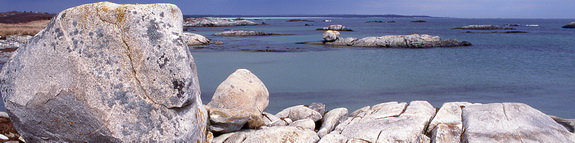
x: 317, y: 16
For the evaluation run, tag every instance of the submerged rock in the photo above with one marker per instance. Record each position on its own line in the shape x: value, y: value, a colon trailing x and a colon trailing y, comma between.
x: 105, y: 72
x: 192, y: 39
x: 243, y: 33
x: 335, y: 28
x: 245, y: 92
x: 216, y: 22
x: 570, y: 25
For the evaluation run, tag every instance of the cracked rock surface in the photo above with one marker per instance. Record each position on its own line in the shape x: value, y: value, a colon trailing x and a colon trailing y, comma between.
x: 105, y: 72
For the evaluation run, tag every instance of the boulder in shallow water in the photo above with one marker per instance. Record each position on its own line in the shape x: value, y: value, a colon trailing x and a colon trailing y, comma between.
x: 405, y: 41
x: 483, y: 27
x: 105, y: 72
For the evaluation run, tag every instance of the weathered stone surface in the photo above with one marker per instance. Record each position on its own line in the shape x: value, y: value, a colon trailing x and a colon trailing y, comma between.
x: 216, y: 22
x: 570, y: 25
x: 389, y: 122
x: 299, y: 112
x: 447, y: 126
x: 243, y: 33
x: 105, y: 72
x: 195, y: 39
x: 277, y: 134
x: 331, y: 120
x: 243, y: 91
x: 330, y: 36
x: 228, y: 120
x: 333, y: 138
x: 304, y: 123
x: 510, y: 122
x: 282, y: 122
x: 482, y: 27
x: 269, y: 118
x: 335, y: 27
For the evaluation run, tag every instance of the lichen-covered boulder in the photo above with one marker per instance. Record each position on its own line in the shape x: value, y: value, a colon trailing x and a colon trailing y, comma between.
x: 105, y: 72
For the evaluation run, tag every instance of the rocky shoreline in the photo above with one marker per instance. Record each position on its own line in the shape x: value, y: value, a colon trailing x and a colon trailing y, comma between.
x: 88, y: 78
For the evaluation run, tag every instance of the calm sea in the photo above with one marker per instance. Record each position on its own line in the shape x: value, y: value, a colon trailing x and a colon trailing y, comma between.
x: 536, y: 68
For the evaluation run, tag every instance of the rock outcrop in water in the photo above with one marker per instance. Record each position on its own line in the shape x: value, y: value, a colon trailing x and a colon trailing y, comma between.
x: 335, y: 28
x: 405, y: 41
x: 570, y: 25
x: 192, y: 39
x: 243, y: 33
x: 105, y: 72
x: 216, y: 22
x: 483, y: 27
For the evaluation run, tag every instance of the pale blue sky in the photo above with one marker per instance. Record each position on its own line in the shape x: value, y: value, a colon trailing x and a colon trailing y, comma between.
x: 438, y: 8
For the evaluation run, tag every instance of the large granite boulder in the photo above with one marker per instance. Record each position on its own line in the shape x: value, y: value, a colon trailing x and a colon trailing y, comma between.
x: 388, y: 122
x: 216, y: 22
x: 192, y: 39
x: 510, y: 122
x: 570, y: 25
x: 242, y: 91
x: 335, y: 27
x: 105, y: 72
x: 243, y: 33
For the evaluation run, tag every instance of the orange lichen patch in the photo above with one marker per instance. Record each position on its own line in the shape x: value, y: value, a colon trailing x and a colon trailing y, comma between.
x: 28, y: 28
x: 121, y: 13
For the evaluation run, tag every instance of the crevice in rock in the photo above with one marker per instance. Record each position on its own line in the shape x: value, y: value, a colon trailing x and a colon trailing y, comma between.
x: 135, y: 74
x: 463, y: 130
x: 378, y: 135
x: 402, y: 111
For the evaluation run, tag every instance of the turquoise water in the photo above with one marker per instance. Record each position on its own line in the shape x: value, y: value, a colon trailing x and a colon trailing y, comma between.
x: 535, y: 68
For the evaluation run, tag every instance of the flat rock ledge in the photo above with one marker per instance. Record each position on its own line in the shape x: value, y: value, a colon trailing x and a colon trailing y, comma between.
x: 570, y: 25
x: 389, y: 41
x: 335, y: 28
x: 416, y: 121
x: 216, y: 22
x: 483, y: 27
x: 243, y: 33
